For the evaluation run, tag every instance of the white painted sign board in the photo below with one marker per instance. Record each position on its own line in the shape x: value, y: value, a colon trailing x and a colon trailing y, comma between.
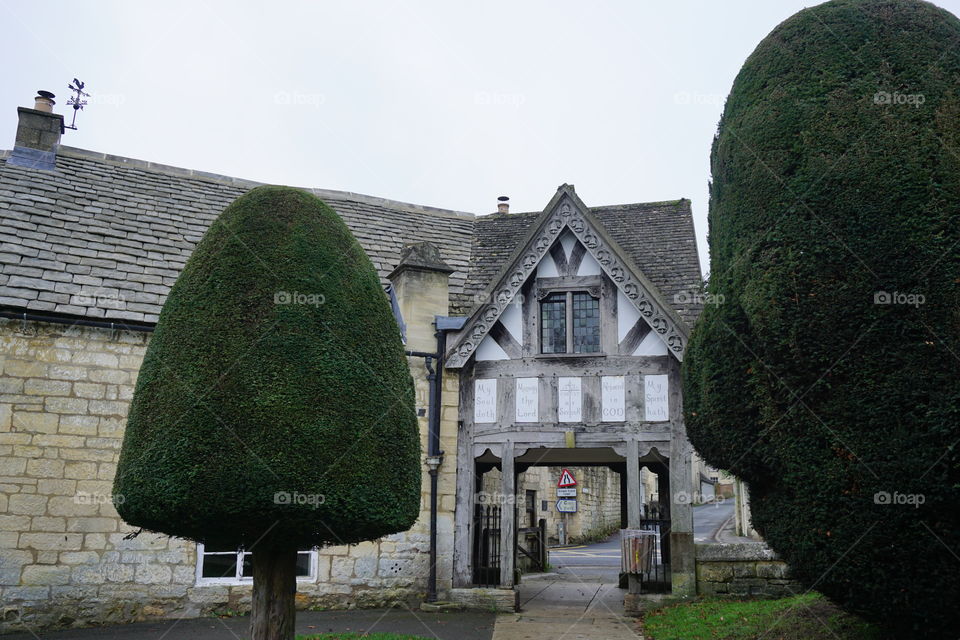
x: 566, y: 492
x: 567, y: 505
x: 612, y: 398
x: 528, y: 400
x: 569, y: 400
x: 566, y: 479
x: 656, y: 396
x: 485, y: 400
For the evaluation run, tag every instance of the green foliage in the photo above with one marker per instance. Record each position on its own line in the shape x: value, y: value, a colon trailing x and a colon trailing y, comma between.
x: 805, y: 617
x: 836, y: 177
x: 274, y: 395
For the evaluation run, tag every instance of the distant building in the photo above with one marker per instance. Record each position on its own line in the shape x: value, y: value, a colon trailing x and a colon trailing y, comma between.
x: 561, y: 334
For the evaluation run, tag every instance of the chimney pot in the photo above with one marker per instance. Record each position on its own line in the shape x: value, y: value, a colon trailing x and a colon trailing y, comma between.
x: 503, y: 204
x: 44, y: 101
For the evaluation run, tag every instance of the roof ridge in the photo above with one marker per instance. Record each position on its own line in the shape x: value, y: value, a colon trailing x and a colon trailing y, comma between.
x: 76, y: 152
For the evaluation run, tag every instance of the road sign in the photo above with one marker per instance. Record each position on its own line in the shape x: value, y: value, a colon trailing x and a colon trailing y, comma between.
x: 567, y: 505
x: 566, y: 479
x: 566, y: 492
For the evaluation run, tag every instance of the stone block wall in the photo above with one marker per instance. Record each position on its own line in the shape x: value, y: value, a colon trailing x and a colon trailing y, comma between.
x: 66, y: 558
x: 598, y: 498
x: 743, y: 569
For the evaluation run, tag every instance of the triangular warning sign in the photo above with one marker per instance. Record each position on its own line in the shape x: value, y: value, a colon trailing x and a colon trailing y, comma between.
x: 566, y: 479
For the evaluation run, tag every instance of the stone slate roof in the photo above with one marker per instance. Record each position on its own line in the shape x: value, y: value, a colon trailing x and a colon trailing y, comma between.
x: 657, y: 236
x: 105, y: 237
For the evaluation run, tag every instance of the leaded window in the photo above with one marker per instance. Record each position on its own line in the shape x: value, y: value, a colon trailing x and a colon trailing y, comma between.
x: 553, y: 323
x: 586, y: 323
x: 570, y: 323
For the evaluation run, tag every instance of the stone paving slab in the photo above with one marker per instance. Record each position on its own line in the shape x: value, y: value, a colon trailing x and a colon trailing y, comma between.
x: 436, y: 626
x: 556, y: 608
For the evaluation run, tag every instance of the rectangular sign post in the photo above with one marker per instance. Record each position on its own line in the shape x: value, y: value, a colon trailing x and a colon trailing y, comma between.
x: 566, y: 492
x: 567, y: 505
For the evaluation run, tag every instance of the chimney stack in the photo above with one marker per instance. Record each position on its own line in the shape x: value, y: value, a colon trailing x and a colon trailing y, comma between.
x: 44, y: 101
x: 503, y: 204
x: 38, y: 134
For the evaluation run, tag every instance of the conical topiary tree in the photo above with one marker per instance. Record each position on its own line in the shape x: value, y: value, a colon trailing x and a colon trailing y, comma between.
x: 829, y: 377
x: 274, y: 410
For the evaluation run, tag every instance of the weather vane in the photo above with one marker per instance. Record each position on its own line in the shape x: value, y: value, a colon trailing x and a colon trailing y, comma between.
x: 77, y: 101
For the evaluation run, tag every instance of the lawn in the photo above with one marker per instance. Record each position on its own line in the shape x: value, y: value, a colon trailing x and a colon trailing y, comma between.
x: 806, y: 617
x: 359, y: 636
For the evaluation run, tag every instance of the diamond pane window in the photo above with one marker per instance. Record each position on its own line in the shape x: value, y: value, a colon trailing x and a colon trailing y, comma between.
x: 586, y: 323
x: 553, y: 323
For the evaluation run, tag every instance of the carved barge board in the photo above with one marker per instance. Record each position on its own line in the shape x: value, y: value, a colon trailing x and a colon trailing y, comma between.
x: 568, y: 213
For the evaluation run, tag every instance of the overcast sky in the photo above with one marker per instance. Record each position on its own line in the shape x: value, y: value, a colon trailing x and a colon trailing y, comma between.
x: 448, y: 104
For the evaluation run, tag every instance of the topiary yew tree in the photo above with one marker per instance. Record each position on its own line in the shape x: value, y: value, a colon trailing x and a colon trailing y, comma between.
x: 274, y: 410
x: 829, y: 375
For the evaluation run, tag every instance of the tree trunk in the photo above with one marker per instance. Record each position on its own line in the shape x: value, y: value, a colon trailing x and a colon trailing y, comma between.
x: 274, y: 593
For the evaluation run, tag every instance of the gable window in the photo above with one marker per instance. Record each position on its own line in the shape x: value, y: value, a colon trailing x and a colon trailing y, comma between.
x: 217, y: 565
x: 570, y: 323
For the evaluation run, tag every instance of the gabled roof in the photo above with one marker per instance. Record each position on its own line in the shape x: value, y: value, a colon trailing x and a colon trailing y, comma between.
x: 106, y: 237
x: 540, y: 232
x: 657, y: 236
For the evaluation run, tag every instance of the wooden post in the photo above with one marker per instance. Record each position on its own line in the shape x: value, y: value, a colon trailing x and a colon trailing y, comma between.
x: 508, y: 517
x: 634, y: 499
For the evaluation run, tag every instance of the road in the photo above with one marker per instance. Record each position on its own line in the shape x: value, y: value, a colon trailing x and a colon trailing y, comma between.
x: 708, y: 518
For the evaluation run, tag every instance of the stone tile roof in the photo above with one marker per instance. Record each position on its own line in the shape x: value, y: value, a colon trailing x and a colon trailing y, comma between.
x: 657, y: 236
x: 105, y: 237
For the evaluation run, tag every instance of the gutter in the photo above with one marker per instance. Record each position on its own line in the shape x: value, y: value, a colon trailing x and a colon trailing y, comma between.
x: 434, y: 454
x: 73, y: 321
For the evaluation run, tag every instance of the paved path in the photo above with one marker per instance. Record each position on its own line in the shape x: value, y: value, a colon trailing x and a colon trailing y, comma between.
x: 443, y: 626
x: 580, y: 600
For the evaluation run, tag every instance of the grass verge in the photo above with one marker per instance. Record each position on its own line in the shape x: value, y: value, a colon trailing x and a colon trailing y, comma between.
x: 805, y: 617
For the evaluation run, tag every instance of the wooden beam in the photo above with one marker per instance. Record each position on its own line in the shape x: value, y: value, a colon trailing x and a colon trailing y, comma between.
x: 634, y: 337
x: 508, y: 518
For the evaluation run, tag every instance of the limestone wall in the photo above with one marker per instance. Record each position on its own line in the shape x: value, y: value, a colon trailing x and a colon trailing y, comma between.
x: 744, y: 569
x: 65, y: 556
x: 598, y: 498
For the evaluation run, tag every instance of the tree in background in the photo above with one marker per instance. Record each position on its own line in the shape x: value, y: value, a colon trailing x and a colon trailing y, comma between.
x: 828, y: 373
x: 274, y: 410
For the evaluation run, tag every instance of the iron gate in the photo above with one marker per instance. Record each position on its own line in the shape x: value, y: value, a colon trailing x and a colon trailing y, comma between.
x: 486, y: 545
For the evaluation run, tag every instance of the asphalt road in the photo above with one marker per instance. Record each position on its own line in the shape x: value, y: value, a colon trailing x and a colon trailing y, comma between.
x: 708, y: 518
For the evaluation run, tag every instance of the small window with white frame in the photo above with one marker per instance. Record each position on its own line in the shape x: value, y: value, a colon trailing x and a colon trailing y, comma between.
x: 219, y: 565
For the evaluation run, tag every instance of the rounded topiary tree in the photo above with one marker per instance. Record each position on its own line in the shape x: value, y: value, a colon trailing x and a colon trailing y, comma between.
x: 829, y: 377
x: 274, y: 410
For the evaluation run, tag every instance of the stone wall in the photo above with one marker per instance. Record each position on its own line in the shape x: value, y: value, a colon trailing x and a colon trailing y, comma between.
x: 598, y: 498
x: 743, y: 569
x: 66, y: 558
